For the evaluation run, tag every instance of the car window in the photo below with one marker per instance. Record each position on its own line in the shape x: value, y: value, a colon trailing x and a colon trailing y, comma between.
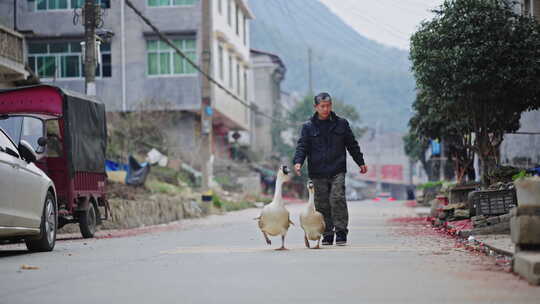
x: 54, y: 138
x: 12, y: 126
x: 5, y: 142
x: 32, y: 130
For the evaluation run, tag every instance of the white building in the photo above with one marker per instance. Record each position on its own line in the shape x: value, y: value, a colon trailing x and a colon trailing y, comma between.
x: 135, y: 66
x: 231, y: 62
x: 11, y: 54
x: 269, y: 71
x: 523, y: 149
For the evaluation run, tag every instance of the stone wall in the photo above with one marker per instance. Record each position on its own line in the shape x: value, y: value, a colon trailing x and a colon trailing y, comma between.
x: 152, y: 210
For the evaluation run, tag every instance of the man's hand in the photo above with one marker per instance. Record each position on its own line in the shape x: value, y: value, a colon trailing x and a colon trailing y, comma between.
x: 297, y: 168
x: 363, y: 169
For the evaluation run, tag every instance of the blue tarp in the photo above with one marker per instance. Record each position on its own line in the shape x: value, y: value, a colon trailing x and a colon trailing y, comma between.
x: 435, y: 148
x: 137, y: 172
x: 114, y: 166
x: 535, y: 171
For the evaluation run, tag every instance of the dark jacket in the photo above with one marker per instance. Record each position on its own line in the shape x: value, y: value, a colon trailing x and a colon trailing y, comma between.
x: 326, y: 155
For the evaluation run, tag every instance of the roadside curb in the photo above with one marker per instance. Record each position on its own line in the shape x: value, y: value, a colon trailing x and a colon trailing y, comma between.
x: 498, y: 249
x: 477, y: 245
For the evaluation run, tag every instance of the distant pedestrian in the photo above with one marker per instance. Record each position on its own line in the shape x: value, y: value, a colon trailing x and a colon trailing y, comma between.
x: 323, y: 141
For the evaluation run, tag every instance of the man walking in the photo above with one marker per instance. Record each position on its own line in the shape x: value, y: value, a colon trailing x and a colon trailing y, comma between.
x: 323, y: 141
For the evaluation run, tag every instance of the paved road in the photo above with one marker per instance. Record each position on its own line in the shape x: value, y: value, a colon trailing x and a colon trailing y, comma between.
x: 223, y: 259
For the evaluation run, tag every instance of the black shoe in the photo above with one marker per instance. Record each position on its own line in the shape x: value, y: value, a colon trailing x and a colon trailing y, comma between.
x: 341, y: 238
x: 328, y: 240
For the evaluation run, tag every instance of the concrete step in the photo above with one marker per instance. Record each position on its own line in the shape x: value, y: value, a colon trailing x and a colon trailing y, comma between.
x: 500, y: 243
x: 525, y: 229
x: 527, y: 265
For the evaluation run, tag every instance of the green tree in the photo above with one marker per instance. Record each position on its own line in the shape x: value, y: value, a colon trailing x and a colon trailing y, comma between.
x: 415, y: 147
x: 430, y: 122
x: 478, y: 63
x: 303, y: 112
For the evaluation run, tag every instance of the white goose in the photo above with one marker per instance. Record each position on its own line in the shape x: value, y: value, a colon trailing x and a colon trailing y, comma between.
x: 311, y: 220
x: 274, y: 219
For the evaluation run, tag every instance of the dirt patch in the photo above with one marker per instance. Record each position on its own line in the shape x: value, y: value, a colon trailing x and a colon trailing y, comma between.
x: 445, y: 242
x: 125, y: 192
x: 409, y: 220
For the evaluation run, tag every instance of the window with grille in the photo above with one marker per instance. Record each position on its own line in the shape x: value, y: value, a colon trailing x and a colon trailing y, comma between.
x: 44, y: 5
x: 163, y: 60
x: 238, y: 84
x: 229, y: 12
x: 64, y: 59
x: 245, y: 85
x: 237, y: 20
x: 220, y: 62
x: 231, y: 79
x: 157, y: 3
x: 245, y: 30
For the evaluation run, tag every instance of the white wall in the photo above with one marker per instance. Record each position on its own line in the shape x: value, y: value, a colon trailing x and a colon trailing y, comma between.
x: 522, y: 145
x: 233, y: 44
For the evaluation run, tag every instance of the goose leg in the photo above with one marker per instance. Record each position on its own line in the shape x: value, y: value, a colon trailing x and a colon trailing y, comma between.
x: 306, y: 241
x: 318, y: 246
x: 266, y: 238
x: 282, y: 243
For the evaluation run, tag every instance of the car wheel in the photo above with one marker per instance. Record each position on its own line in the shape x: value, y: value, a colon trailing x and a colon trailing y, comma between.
x: 88, y: 221
x: 48, y: 228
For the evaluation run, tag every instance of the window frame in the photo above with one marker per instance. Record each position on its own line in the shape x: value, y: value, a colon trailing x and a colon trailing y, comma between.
x: 245, y: 30
x: 221, y: 62
x: 58, y: 60
x: 238, y: 80
x: 245, y: 84
x: 237, y: 20
x: 229, y: 12
x: 171, y: 58
x: 69, y: 5
x: 231, y: 71
x: 171, y: 4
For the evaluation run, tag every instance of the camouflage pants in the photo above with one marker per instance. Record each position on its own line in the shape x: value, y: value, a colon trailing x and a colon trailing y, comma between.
x: 330, y: 201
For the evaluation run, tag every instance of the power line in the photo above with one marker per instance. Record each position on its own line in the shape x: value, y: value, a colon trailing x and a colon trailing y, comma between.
x: 329, y: 28
x: 270, y: 35
x: 388, y: 28
x: 199, y: 69
x: 286, y: 6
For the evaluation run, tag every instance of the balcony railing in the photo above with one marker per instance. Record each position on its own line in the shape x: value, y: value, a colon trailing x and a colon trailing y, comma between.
x: 11, y: 45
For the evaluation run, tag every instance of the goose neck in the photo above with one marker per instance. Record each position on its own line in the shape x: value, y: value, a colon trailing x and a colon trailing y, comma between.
x: 278, y: 191
x: 311, y: 201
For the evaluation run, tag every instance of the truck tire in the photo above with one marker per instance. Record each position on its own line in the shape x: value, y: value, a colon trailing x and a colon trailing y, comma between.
x: 48, y: 227
x: 88, y: 221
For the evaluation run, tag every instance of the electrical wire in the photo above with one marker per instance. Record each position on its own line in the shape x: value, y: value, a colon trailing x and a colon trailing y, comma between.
x: 166, y: 40
x: 329, y: 27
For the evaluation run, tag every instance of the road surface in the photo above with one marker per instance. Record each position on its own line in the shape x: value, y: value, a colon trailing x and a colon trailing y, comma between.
x: 223, y: 259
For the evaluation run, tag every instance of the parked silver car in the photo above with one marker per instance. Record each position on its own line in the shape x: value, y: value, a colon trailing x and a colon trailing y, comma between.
x: 28, y: 208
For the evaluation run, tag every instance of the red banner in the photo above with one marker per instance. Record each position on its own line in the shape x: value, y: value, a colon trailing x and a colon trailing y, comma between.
x: 392, y: 172
x: 387, y: 173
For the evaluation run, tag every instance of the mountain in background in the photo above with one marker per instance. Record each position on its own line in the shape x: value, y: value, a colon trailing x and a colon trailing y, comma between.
x: 373, y: 77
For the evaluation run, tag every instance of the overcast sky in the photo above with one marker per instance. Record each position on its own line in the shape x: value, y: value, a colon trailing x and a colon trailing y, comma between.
x: 390, y: 22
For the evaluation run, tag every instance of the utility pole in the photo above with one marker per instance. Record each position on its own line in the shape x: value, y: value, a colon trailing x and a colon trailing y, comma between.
x: 206, y: 104
x: 90, y: 47
x: 123, y: 52
x: 15, y: 15
x: 378, y: 168
x: 310, y: 73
